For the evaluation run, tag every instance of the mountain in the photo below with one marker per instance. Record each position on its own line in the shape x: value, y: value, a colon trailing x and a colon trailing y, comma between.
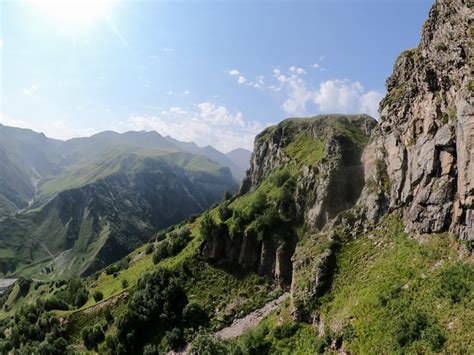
x: 424, y: 145
x: 30, y: 160
x: 84, y: 203
x: 241, y: 157
x: 25, y: 157
x: 347, y: 235
x: 210, y: 152
x: 86, y: 226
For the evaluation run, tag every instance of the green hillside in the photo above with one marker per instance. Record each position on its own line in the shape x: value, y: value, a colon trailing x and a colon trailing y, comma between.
x: 94, y: 214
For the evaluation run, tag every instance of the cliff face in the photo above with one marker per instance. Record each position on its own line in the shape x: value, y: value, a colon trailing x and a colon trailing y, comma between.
x: 326, y: 184
x: 303, y: 172
x: 421, y: 157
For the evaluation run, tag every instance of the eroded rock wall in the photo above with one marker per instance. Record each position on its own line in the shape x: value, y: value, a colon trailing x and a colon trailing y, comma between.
x: 420, y: 159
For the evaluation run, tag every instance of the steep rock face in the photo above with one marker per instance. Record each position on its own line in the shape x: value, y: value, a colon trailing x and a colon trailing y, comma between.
x: 322, y: 155
x: 421, y: 157
x: 326, y: 184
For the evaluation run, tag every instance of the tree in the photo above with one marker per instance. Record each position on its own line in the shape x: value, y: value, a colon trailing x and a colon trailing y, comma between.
x: 224, y: 211
x: 207, y: 225
x: 158, y: 301
x: 98, y: 296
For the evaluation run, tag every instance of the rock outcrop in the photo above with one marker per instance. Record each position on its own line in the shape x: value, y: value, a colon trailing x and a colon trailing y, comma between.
x: 326, y: 185
x: 420, y: 160
x: 323, y: 156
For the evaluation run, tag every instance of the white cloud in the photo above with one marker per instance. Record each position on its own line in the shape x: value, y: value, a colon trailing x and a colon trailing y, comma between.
x: 370, y: 103
x: 219, y: 115
x: 242, y: 79
x: 297, y: 70
x: 29, y: 91
x: 332, y: 96
x: 1, y: 43
x: 338, y: 95
x: 205, y: 124
x: 298, y: 95
x: 187, y: 92
x: 234, y: 72
x: 168, y: 50
x: 316, y: 66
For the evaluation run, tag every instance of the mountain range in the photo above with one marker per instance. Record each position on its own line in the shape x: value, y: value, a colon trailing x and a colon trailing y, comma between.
x: 71, y: 207
x: 347, y: 235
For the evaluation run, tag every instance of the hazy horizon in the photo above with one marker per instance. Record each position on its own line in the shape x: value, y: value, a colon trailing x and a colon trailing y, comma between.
x: 208, y: 72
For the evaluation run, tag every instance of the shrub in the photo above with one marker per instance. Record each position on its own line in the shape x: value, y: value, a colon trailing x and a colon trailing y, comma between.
x: 206, y: 344
x: 124, y: 283
x: 158, y: 301
x: 161, y: 252
x: 224, y: 211
x: 194, y: 315
x: 92, y: 336
x: 207, y: 225
x: 149, y: 249
x: 456, y: 282
x: 24, y: 286
x: 55, y: 303
x: 98, y: 296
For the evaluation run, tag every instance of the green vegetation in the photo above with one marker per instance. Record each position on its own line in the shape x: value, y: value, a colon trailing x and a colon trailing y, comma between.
x: 306, y: 150
x: 441, y: 47
x: 398, y: 294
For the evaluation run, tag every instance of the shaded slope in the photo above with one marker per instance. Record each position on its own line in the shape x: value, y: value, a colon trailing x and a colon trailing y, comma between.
x: 95, y: 224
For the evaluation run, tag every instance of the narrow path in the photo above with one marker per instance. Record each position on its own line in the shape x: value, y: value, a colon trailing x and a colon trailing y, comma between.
x: 251, y: 320
x: 241, y: 325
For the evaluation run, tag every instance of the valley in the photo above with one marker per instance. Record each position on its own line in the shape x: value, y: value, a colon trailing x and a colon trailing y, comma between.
x: 344, y: 234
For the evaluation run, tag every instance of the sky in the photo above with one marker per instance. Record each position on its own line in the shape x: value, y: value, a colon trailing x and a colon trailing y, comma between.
x: 212, y: 72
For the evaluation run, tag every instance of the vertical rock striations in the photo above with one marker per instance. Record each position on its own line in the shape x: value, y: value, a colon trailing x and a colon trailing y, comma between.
x: 421, y: 156
x: 322, y: 156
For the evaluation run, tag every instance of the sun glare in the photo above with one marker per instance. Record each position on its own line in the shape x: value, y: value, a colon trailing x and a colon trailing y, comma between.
x: 73, y: 12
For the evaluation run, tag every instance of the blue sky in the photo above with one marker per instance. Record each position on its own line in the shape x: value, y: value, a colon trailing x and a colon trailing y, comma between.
x: 212, y: 72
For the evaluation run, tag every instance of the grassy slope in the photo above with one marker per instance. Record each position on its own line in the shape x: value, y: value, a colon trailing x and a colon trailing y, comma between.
x: 223, y: 294
x: 385, y: 284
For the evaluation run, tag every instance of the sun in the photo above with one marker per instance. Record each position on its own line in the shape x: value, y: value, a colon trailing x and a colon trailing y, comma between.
x: 73, y: 13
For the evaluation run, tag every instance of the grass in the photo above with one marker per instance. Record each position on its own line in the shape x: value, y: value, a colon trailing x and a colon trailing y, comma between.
x: 390, y: 294
x: 305, y: 149
x: 222, y: 293
x: 384, y: 279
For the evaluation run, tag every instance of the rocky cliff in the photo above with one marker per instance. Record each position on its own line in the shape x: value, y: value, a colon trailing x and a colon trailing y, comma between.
x: 420, y: 160
x: 327, y: 152
x: 303, y: 172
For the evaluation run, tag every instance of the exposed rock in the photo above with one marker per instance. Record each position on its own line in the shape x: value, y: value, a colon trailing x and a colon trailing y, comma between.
x: 324, y: 189
x: 420, y: 157
x: 329, y: 179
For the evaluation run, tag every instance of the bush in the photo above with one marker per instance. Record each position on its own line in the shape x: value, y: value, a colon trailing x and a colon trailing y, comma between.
x: 149, y: 249
x: 224, y: 211
x: 161, y: 252
x: 206, y: 344
x: 172, y: 245
x: 75, y: 293
x: 124, y: 283
x: 172, y: 339
x: 55, y: 303
x: 456, y: 282
x: 207, y: 225
x: 92, y: 336
x: 194, y: 315
x: 98, y: 296
x: 24, y: 286
x: 158, y: 302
